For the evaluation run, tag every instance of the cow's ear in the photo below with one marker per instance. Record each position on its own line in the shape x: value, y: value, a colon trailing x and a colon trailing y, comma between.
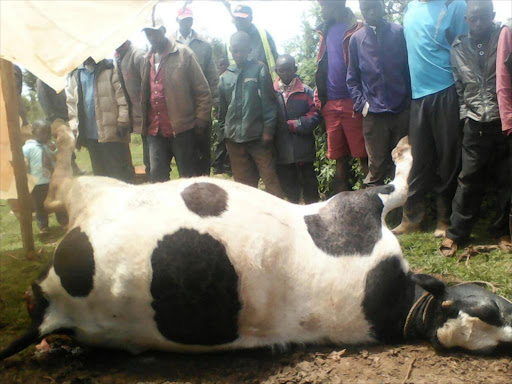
x: 429, y: 283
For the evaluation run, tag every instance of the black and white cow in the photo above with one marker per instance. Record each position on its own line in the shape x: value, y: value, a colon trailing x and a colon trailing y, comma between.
x: 205, y: 265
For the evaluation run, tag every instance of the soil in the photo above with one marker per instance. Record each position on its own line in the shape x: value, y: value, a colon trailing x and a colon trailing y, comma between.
x: 69, y: 364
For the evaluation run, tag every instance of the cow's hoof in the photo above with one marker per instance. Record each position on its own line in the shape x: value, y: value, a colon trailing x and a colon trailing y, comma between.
x: 448, y: 248
x: 406, y: 228
x: 505, y: 244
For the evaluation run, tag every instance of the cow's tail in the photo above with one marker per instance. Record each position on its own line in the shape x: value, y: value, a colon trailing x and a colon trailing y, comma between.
x: 27, y: 339
x: 402, y: 157
x: 63, y: 173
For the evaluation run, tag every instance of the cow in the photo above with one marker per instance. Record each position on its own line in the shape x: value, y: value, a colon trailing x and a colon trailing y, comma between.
x: 205, y: 264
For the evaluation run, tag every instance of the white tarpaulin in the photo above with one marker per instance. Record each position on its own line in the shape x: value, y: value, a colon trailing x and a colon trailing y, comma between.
x: 52, y: 37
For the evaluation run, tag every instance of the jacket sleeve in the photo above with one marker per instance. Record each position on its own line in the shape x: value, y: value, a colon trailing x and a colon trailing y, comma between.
x: 354, y: 78
x: 459, y: 85
x: 268, y: 101
x: 72, y: 102
x: 504, y: 79
x: 200, y: 89
x: 310, y: 120
x: 458, y: 25
x: 212, y: 76
x: 123, y: 117
x: 223, y: 108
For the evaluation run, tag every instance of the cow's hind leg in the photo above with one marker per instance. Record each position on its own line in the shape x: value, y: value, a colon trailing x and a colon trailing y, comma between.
x: 402, y: 158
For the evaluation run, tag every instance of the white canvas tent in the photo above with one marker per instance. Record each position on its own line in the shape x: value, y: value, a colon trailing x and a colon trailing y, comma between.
x: 50, y: 38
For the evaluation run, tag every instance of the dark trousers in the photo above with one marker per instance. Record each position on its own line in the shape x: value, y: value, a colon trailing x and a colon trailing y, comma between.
x: 39, y: 194
x: 382, y: 132
x: 163, y: 149
x: 252, y: 159
x: 484, y: 158
x: 204, y: 148
x: 221, y: 164
x: 296, y: 179
x: 435, y: 138
x: 111, y: 160
x: 145, y: 154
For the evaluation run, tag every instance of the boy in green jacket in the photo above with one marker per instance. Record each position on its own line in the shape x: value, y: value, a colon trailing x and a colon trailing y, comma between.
x: 248, y: 117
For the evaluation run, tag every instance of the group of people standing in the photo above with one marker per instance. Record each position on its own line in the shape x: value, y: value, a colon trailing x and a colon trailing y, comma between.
x: 443, y: 78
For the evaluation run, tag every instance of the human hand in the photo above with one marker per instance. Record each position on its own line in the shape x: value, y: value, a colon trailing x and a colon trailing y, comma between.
x: 122, y: 130
x: 292, y: 126
x: 267, y: 138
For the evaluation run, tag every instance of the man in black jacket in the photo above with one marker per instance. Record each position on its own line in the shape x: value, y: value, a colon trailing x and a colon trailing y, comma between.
x: 484, y: 148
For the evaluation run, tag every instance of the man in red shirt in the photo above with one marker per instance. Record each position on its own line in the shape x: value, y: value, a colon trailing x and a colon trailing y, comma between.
x: 176, y: 106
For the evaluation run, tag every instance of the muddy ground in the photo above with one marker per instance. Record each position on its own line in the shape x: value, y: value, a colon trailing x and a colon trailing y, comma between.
x: 314, y: 364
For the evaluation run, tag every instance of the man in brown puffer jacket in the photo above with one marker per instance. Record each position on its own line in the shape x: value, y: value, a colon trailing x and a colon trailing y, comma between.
x: 99, y: 112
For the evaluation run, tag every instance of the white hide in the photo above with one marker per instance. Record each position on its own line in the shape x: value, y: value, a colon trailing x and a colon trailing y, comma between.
x: 290, y: 290
x: 472, y: 333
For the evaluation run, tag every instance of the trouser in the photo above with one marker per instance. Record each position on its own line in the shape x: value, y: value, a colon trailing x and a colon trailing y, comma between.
x: 244, y: 157
x: 296, y: 178
x: 382, y: 132
x: 39, y: 194
x: 221, y: 164
x: 204, y: 148
x: 435, y: 139
x: 145, y: 154
x: 509, y: 140
x: 111, y: 159
x: 484, y: 156
x: 162, y: 149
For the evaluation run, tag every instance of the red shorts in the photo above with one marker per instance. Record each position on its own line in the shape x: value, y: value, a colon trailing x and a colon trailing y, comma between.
x: 344, y: 129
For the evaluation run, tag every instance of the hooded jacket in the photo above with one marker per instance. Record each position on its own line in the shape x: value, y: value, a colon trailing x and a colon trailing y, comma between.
x: 322, y: 60
x: 476, y: 88
x: 247, y: 102
x: 110, y: 105
x: 298, y: 146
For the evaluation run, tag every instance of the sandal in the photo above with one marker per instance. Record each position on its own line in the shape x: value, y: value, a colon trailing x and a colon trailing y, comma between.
x: 448, y: 248
x: 505, y: 244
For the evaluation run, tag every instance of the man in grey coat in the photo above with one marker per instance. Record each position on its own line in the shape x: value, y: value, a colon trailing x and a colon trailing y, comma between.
x: 130, y: 66
x: 204, y: 55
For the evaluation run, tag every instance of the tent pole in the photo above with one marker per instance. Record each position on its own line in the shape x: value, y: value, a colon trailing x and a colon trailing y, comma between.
x: 18, y: 162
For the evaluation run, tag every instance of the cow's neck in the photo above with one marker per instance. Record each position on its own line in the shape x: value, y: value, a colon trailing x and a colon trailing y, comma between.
x: 416, y: 322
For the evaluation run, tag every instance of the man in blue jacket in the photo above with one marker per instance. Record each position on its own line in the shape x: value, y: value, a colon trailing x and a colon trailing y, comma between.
x: 430, y: 27
x: 295, y: 141
x: 378, y: 82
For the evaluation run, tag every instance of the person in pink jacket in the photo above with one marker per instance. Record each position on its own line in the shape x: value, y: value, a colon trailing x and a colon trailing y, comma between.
x: 504, y: 91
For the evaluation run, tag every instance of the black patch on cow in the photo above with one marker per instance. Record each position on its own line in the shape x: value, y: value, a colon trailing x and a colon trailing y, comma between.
x: 388, y: 296
x: 205, y: 199
x: 350, y: 223
x: 74, y: 263
x: 194, y: 289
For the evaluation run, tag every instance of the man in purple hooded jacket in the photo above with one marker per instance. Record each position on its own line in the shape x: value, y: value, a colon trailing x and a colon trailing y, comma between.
x: 378, y: 82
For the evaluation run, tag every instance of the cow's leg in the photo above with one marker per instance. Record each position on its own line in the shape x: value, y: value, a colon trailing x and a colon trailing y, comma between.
x: 402, y: 158
x: 63, y: 172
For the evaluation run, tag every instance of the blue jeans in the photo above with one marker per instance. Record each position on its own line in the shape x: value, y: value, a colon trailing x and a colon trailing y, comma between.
x: 163, y: 149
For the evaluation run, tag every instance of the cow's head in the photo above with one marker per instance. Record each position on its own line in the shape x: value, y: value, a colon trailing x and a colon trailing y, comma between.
x: 464, y: 316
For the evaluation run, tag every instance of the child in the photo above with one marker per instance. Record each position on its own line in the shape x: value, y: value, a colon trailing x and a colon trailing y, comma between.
x: 40, y: 160
x: 248, y: 116
x: 484, y: 147
x: 295, y: 141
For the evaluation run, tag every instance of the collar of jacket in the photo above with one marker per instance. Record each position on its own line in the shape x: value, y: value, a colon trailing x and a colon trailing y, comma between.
x: 298, y: 87
x: 349, y: 19
x: 234, y: 68
x: 121, y: 52
x: 462, y: 38
x: 101, y: 66
x: 171, y: 47
x: 195, y: 36
x: 386, y: 25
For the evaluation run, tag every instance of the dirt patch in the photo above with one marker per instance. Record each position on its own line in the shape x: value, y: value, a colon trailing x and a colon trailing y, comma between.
x: 379, y: 364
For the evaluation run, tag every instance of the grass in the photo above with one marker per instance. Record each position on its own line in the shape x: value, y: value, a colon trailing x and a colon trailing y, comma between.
x: 16, y: 273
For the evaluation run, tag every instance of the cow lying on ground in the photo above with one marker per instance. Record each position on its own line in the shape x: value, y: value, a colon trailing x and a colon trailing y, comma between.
x: 206, y: 265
